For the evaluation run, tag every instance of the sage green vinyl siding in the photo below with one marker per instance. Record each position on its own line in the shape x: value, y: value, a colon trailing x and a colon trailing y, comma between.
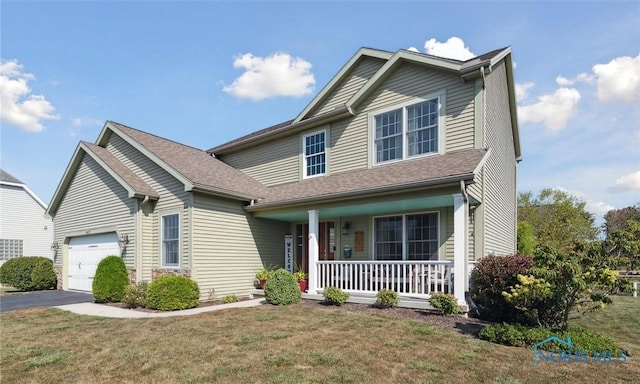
x: 349, y: 85
x: 500, y: 169
x: 351, y: 138
x: 271, y: 163
x: 93, y: 202
x: 173, y: 199
x: 230, y: 246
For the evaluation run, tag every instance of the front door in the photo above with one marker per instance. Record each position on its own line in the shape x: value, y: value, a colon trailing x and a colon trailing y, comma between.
x: 326, y: 243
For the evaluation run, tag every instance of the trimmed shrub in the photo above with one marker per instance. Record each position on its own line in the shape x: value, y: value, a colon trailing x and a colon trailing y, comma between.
x: 386, y: 298
x: 491, y: 276
x: 445, y: 304
x: 110, y: 280
x: 522, y: 336
x: 335, y: 296
x: 30, y: 273
x: 136, y: 295
x: 230, y: 299
x: 282, y: 288
x: 170, y: 293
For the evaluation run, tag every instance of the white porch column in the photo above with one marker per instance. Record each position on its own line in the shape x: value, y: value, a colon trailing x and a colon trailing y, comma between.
x: 460, y: 255
x: 314, y: 251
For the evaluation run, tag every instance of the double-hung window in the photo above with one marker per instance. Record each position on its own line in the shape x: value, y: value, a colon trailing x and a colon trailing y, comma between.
x: 171, y: 240
x: 409, y: 131
x: 406, y: 237
x: 315, y: 155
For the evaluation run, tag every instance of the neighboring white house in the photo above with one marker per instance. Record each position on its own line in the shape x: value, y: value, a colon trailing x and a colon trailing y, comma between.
x: 25, y: 229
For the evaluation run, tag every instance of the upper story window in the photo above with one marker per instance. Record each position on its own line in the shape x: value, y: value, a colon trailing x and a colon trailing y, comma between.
x: 171, y: 240
x: 315, y: 156
x: 409, y: 131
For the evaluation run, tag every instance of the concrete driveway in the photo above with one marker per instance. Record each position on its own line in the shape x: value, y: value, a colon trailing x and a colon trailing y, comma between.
x: 42, y: 299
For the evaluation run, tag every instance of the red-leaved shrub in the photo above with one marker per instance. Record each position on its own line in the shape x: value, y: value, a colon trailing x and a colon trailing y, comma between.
x: 491, y: 276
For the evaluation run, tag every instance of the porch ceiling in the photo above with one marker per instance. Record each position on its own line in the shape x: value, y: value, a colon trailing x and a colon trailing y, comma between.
x: 353, y: 208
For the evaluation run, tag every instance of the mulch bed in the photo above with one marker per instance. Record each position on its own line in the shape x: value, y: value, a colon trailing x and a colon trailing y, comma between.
x: 461, y: 324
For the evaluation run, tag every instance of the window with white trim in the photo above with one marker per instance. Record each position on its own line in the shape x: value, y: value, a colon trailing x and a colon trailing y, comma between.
x: 171, y: 240
x: 315, y: 156
x: 409, y: 131
x: 406, y: 237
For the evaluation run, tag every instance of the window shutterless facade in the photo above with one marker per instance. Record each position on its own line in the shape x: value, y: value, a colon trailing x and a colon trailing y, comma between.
x: 411, y: 130
x: 171, y: 240
x: 406, y: 237
x: 315, y: 154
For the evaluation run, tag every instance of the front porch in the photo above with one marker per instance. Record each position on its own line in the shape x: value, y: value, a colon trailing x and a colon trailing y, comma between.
x: 416, y: 244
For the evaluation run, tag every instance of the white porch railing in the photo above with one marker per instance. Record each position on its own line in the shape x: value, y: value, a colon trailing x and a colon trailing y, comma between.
x: 407, y: 278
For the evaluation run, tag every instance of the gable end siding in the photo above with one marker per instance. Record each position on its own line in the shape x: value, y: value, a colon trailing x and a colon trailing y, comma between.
x: 351, y: 139
x: 23, y: 218
x: 499, y: 176
x: 172, y: 199
x: 94, y: 199
x: 349, y: 86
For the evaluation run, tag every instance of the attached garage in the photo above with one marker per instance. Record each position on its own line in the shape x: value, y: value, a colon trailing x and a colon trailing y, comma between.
x: 85, y: 252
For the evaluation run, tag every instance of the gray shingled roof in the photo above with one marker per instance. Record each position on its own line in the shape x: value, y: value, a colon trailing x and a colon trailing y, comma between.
x: 422, y: 172
x: 136, y: 183
x: 6, y: 176
x: 199, y: 167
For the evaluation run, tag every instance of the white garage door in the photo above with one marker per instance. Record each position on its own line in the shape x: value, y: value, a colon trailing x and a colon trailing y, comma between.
x: 85, y: 252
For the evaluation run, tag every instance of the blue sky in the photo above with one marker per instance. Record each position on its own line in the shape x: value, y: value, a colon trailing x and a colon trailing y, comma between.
x: 203, y: 73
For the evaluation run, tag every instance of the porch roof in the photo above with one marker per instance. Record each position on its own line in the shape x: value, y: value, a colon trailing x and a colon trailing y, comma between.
x: 429, y: 171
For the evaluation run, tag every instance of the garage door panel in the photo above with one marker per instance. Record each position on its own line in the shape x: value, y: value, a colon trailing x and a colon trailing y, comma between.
x: 85, y: 253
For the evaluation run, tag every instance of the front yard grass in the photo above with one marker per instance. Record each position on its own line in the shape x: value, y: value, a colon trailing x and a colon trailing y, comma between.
x: 293, y: 344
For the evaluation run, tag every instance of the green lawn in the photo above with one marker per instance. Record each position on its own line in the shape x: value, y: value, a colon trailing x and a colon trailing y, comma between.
x: 293, y: 344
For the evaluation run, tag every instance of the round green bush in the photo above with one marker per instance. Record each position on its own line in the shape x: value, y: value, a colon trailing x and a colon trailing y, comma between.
x: 386, y: 298
x: 170, y: 293
x: 446, y: 304
x: 29, y: 273
x: 335, y: 296
x: 282, y: 288
x: 43, y: 276
x: 110, y: 280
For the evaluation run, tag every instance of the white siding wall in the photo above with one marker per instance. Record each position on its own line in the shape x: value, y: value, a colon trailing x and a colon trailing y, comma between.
x: 23, y: 218
x: 230, y: 246
x: 500, y: 170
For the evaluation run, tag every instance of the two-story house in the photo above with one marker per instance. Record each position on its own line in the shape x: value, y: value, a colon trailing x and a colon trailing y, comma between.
x: 399, y: 174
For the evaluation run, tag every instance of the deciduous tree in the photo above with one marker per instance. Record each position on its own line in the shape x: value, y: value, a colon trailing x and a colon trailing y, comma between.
x: 557, y: 219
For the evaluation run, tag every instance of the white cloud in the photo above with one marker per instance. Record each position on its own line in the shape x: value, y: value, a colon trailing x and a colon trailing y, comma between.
x: 18, y: 105
x: 619, y: 80
x: 627, y: 183
x: 275, y: 75
x: 453, y: 48
x: 413, y: 49
x: 522, y: 90
x: 554, y: 110
x: 563, y: 81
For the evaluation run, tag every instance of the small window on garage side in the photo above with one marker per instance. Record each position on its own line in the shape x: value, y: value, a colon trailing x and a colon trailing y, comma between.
x: 171, y: 240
